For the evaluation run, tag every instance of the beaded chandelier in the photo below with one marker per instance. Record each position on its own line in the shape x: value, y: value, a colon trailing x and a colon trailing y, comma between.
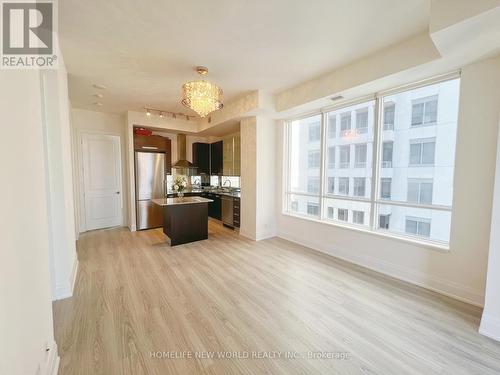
x: 201, y: 96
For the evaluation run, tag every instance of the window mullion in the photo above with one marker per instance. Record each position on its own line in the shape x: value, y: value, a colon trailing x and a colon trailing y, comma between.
x: 376, y: 149
x: 322, y: 163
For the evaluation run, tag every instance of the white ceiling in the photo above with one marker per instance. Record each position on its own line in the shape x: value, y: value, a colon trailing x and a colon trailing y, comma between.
x: 143, y: 51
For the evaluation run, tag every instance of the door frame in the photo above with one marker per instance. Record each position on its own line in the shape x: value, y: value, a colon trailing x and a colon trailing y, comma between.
x: 81, y: 180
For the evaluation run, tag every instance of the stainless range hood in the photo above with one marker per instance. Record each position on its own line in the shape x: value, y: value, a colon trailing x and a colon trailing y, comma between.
x: 183, y: 166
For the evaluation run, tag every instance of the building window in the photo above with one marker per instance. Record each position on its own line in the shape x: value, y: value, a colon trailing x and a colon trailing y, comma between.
x: 313, y: 185
x: 418, y: 226
x: 422, y: 151
x: 359, y: 186
x: 419, y: 191
x: 330, y: 213
x: 314, y: 131
x: 345, y: 124
x: 389, y: 114
x: 424, y: 111
x: 314, y: 159
x: 358, y: 217
x: 331, y: 157
x: 385, y: 188
x: 331, y: 185
x: 407, y: 197
x: 343, y: 185
x: 343, y: 214
x: 360, y: 156
x: 345, y: 156
x: 362, y: 121
x: 312, y: 209
x: 383, y: 221
x: 332, y: 126
x: 387, y: 154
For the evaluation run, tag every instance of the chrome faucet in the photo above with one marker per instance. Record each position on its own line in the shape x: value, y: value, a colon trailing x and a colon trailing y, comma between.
x: 228, y: 180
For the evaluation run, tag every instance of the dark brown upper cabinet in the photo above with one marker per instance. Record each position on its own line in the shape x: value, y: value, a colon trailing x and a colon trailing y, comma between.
x: 155, y: 143
x: 216, y: 158
x: 201, y: 157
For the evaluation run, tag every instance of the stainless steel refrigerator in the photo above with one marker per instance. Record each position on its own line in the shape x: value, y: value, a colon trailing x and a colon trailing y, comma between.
x: 149, y: 184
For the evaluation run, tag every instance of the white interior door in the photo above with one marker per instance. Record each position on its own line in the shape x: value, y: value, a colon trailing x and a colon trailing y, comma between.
x: 101, y: 156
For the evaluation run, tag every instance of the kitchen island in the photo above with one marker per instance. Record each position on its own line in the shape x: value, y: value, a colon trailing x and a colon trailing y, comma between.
x: 185, y: 219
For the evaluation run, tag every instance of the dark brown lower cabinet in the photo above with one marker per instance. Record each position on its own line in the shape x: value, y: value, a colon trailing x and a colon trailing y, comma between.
x: 236, y: 212
x: 185, y: 223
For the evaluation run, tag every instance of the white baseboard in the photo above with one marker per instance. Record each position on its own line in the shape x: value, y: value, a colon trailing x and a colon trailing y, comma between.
x: 265, y: 236
x: 247, y: 235
x: 51, y: 365
x: 431, y: 282
x: 66, y: 290
x: 490, y: 327
x: 257, y: 237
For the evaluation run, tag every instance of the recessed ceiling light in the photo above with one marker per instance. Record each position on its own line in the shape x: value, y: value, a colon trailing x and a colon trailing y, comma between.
x: 148, y: 112
x: 99, y: 95
x: 100, y: 87
x: 99, y: 104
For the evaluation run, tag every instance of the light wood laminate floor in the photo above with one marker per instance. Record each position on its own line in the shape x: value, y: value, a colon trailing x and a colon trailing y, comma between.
x: 135, y: 296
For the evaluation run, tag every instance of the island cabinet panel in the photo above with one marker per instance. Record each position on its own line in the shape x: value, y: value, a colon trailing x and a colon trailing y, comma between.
x: 216, y: 150
x: 201, y: 157
x: 185, y: 223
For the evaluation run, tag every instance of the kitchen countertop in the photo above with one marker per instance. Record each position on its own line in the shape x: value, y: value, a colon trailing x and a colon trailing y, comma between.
x: 236, y: 194
x: 182, y: 200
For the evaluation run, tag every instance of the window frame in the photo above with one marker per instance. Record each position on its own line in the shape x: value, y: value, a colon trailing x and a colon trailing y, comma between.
x: 374, y: 199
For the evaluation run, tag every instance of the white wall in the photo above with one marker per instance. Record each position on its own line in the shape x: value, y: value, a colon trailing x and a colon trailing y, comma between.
x: 92, y: 122
x: 60, y: 200
x: 25, y: 305
x: 248, y: 212
x: 490, y: 323
x: 265, y: 177
x: 258, y: 177
x: 461, y: 271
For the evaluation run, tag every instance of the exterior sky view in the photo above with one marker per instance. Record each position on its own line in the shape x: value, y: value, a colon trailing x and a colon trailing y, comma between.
x: 331, y: 165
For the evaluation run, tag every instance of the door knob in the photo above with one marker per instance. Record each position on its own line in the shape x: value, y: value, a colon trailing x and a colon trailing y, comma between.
x: 117, y: 192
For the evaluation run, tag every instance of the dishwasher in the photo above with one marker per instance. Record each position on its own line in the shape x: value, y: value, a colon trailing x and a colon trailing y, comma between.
x: 227, y: 211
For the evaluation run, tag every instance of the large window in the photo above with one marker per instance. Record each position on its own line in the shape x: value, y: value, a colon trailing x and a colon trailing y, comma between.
x: 406, y: 191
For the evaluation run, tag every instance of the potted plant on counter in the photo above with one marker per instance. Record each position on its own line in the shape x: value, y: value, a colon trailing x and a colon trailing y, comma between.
x: 179, y: 185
